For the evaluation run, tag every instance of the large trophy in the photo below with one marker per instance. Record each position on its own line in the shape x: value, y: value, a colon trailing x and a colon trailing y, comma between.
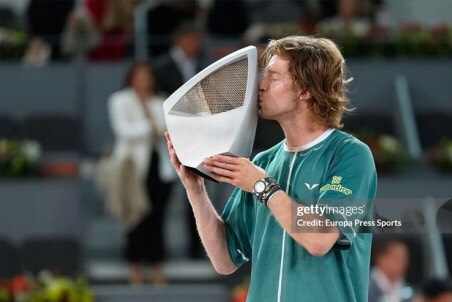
x: 216, y: 111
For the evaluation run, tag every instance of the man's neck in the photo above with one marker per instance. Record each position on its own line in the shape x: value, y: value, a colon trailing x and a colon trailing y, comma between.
x: 179, y: 54
x: 301, y: 131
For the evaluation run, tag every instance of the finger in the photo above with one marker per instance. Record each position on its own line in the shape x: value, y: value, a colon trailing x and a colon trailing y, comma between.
x: 167, y: 136
x: 170, y: 145
x: 226, y: 158
x: 170, y: 148
x: 215, y: 176
x: 223, y: 165
x: 174, y: 159
x: 220, y: 171
x: 221, y: 178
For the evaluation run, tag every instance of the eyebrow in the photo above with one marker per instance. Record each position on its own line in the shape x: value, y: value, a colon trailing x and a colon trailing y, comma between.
x: 273, y: 71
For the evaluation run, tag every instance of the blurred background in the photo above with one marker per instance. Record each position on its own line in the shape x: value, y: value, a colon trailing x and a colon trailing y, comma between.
x: 60, y: 61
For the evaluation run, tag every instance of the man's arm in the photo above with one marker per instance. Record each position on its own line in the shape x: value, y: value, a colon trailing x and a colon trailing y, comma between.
x: 318, y: 240
x: 210, y: 226
x: 241, y: 172
x: 212, y: 231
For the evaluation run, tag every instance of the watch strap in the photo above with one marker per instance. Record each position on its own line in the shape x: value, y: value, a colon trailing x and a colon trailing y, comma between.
x: 267, y: 196
x: 271, y: 186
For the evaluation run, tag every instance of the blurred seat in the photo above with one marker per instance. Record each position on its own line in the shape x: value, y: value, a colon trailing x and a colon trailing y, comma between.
x: 61, y: 256
x: 375, y: 123
x: 8, y: 127
x: 55, y: 132
x: 433, y: 126
x: 9, y: 260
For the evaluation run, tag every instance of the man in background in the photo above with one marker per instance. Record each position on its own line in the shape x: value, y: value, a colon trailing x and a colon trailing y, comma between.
x: 387, y: 277
x: 173, y: 69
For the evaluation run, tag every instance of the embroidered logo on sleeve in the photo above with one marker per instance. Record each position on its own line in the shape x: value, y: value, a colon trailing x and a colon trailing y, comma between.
x: 336, y: 186
x: 311, y: 187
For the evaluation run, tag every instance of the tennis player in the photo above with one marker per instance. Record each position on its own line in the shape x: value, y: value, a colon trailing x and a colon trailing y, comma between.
x: 297, y: 208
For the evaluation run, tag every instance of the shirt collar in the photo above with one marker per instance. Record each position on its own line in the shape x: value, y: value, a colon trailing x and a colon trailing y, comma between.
x: 386, y: 286
x: 178, y: 55
x: 316, y: 141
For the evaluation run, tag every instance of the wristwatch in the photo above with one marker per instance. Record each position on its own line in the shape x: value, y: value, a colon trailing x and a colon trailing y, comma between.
x: 264, y: 188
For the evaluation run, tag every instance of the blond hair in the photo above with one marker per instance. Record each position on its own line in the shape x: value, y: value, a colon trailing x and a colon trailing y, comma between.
x: 316, y: 65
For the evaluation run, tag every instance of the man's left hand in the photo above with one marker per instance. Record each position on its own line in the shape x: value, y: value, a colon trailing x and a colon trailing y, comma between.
x: 237, y: 171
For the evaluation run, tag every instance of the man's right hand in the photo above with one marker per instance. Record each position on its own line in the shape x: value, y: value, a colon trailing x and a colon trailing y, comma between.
x: 193, y: 183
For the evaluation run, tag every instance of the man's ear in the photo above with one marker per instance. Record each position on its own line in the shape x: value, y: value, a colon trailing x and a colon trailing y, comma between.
x: 304, y: 95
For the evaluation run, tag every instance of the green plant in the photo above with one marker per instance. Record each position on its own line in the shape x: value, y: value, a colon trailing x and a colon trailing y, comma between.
x: 19, y: 157
x: 442, y: 156
x: 45, y: 288
x: 387, y: 151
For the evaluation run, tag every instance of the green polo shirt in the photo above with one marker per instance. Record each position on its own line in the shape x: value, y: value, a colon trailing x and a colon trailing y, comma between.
x: 337, y: 172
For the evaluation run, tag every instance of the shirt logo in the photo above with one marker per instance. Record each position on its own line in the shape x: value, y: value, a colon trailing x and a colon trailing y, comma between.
x: 310, y: 187
x: 336, y: 186
x: 336, y: 180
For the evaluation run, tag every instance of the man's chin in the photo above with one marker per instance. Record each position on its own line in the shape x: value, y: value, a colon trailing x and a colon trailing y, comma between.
x: 264, y: 116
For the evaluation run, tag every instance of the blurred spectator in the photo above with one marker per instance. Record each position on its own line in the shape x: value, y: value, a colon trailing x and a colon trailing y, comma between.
x: 46, y: 20
x: 182, y: 61
x: 435, y: 290
x: 80, y: 32
x: 329, y: 8
x: 347, y: 22
x: 258, y: 36
x: 379, y: 16
x: 173, y: 69
x: 228, y: 18
x: 37, y: 54
x: 387, y: 277
x: 114, y: 21
x: 136, y: 114
x: 166, y: 17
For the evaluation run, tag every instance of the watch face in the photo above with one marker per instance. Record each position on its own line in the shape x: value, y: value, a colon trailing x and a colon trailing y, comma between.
x: 259, y: 187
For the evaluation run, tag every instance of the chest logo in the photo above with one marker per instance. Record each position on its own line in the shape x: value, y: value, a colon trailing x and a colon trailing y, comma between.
x: 310, y: 187
x: 336, y: 186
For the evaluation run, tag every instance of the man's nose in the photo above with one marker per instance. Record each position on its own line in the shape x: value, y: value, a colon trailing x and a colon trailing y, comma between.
x: 261, y: 85
x: 259, y: 88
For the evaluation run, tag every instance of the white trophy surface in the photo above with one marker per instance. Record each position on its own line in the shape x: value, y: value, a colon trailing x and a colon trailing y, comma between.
x: 216, y: 111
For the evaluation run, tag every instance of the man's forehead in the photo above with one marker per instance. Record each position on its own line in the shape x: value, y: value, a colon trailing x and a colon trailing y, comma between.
x: 277, y: 64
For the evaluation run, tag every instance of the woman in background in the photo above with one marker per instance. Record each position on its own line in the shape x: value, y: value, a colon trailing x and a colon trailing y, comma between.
x: 137, y: 120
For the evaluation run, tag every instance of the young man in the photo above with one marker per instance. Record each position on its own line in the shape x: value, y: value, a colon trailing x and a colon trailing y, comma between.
x: 318, y: 173
x: 387, y: 277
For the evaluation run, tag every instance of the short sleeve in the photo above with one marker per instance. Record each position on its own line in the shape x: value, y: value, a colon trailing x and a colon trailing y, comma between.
x: 238, y: 218
x: 349, y: 191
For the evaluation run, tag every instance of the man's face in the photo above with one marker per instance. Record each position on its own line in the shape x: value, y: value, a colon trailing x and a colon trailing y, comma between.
x: 190, y: 43
x: 394, y: 262
x: 277, y: 95
x: 142, y: 80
